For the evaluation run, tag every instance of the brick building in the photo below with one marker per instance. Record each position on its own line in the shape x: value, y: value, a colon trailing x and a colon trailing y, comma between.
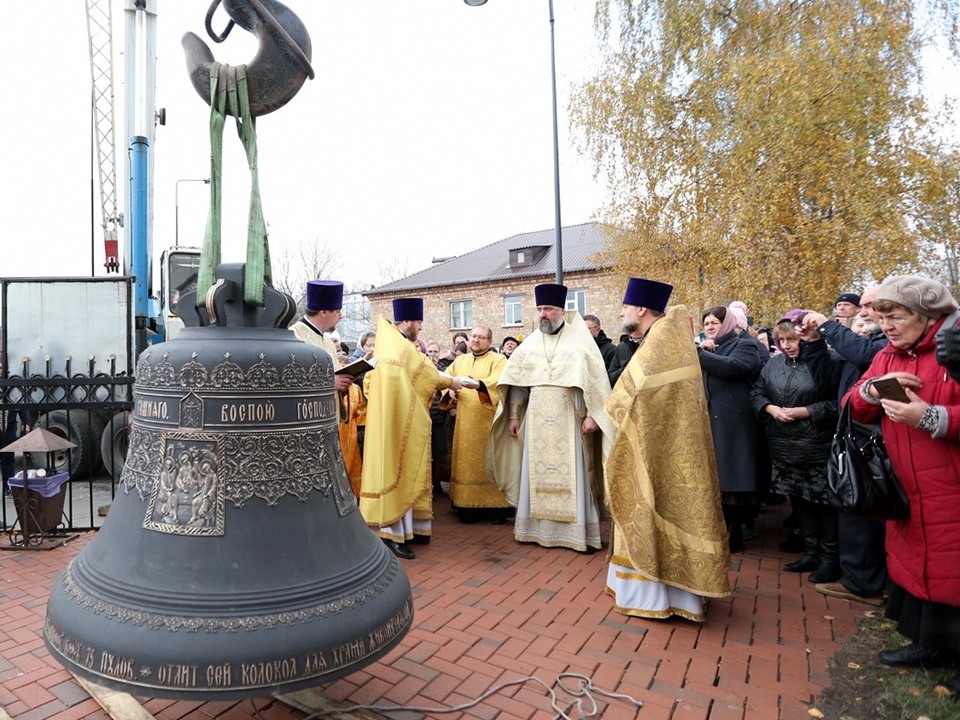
x: 493, y: 285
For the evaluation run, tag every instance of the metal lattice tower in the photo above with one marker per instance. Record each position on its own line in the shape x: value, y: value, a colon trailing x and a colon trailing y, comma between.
x: 100, y: 35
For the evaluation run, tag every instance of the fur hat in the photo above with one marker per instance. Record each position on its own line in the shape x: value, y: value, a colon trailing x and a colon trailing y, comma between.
x: 922, y: 295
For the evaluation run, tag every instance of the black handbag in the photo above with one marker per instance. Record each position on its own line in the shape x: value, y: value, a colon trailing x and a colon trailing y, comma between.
x: 860, y: 477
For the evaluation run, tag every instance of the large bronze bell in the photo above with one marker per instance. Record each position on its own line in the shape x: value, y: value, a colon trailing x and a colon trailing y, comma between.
x: 234, y: 563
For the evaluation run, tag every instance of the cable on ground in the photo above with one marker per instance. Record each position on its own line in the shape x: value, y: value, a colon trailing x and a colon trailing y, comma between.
x: 583, y: 691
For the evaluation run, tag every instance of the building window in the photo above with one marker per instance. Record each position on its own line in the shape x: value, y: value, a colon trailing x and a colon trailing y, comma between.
x: 577, y: 300
x: 461, y: 314
x: 528, y: 256
x: 512, y: 310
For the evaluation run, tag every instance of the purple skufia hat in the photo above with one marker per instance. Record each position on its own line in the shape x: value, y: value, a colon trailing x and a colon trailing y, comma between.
x: 650, y: 294
x: 551, y: 294
x: 407, y: 309
x: 324, y: 295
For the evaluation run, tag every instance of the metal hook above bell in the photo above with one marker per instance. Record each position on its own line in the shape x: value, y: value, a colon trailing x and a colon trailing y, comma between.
x: 281, y: 65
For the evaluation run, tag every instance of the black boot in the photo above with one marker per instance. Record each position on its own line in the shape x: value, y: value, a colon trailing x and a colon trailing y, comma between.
x: 915, y: 655
x: 951, y: 687
x: 810, y: 525
x: 829, y: 568
x: 734, y: 530
x: 793, y: 543
x: 792, y: 520
x: 806, y: 562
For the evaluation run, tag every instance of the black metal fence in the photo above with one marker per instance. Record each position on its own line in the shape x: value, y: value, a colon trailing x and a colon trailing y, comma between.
x: 91, y: 411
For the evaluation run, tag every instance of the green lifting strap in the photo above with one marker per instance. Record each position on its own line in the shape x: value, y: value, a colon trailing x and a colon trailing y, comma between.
x: 210, y: 252
x: 229, y: 95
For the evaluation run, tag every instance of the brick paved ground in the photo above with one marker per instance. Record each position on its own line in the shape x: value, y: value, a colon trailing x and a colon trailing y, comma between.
x: 488, y: 611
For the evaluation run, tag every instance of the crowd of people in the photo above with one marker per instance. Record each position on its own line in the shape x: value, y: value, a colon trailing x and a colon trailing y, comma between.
x: 680, y: 440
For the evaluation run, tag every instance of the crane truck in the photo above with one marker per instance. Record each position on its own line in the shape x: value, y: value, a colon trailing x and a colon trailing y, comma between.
x: 70, y: 343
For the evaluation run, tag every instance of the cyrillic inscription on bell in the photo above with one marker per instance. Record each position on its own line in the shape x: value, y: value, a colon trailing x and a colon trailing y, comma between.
x: 233, y: 562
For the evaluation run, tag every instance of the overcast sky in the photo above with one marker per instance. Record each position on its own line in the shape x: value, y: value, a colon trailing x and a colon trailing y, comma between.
x: 426, y: 133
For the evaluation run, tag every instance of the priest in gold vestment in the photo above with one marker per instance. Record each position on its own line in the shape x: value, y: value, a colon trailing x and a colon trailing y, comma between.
x: 472, y: 492
x: 550, y: 431
x: 396, y: 494
x: 669, y: 552
x: 324, y: 303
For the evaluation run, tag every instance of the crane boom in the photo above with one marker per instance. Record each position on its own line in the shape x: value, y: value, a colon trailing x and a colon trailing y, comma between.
x: 140, y: 118
x: 100, y: 36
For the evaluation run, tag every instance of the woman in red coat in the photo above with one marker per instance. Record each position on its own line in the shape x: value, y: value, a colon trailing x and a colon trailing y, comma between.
x: 922, y: 437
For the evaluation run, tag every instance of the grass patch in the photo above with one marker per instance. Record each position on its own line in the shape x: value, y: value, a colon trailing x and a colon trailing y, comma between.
x: 861, y: 688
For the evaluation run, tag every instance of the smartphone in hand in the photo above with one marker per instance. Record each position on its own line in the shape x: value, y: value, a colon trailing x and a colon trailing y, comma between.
x: 890, y: 389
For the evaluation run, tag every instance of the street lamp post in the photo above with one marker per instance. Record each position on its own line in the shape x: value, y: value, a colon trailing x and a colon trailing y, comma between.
x: 557, y: 233
x: 176, y: 206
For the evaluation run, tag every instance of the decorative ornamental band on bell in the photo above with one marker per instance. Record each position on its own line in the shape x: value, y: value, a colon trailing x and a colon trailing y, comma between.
x: 233, y: 562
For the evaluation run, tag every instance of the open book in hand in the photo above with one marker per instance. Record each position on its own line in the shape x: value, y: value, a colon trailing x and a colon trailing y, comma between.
x: 357, y: 367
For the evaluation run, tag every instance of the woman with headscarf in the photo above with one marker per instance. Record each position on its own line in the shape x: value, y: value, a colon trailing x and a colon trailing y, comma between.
x: 922, y: 437
x: 365, y: 346
x: 729, y: 363
x: 795, y: 398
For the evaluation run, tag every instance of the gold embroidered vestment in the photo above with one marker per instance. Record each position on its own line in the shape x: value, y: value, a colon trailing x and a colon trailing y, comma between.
x: 661, y: 474
x: 553, y: 368
x: 470, y: 485
x: 396, y: 448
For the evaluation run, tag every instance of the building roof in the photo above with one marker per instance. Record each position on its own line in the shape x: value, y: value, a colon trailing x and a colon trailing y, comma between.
x: 582, y: 245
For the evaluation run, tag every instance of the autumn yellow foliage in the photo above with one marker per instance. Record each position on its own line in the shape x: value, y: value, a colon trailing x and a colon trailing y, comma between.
x: 772, y: 152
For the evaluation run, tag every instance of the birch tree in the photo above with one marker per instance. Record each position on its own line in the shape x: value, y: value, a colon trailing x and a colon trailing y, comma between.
x: 762, y: 150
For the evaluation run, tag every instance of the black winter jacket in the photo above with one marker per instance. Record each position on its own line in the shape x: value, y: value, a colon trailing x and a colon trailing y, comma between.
x: 728, y: 374
x: 624, y: 353
x: 856, y: 351
x: 607, y: 349
x: 810, y: 380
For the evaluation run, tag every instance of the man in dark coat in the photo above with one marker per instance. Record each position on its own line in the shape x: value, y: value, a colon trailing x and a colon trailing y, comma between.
x: 624, y: 351
x: 862, y: 555
x: 607, y: 349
